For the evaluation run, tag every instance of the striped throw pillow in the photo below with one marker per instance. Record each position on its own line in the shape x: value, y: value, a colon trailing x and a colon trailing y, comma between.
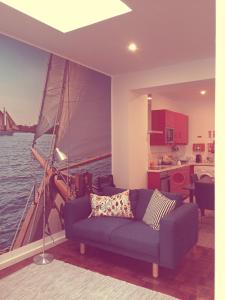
x: 158, y: 207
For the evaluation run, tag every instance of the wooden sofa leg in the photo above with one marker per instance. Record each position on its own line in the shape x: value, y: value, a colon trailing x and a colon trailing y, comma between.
x: 82, y: 248
x: 155, y: 270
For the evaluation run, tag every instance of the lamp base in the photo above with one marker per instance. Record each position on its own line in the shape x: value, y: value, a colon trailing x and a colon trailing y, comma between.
x: 43, y: 259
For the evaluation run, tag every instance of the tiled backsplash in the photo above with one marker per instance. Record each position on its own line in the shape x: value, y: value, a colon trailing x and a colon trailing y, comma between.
x: 158, y: 152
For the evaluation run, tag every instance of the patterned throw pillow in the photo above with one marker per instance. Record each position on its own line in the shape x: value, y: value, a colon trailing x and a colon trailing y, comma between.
x: 114, y: 206
x: 158, y: 207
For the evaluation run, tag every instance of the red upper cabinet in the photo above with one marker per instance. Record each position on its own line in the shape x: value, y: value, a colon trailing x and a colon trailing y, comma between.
x: 158, y: 124
x: 170, y: 119
x: 181, y: 129
x: 173, y: 125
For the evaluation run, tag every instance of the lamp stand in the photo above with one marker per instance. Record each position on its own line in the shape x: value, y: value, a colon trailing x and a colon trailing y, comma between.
x: 43, y: 258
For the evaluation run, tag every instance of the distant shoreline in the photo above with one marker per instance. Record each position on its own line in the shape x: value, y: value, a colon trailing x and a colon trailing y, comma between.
x: 29, y: 129
x: 26, y: 128
x: 20, y: 131
x: 23, y: 131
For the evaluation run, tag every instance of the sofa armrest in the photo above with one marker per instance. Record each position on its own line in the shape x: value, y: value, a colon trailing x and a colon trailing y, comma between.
x: 178, y: 234
x: 74, y: 211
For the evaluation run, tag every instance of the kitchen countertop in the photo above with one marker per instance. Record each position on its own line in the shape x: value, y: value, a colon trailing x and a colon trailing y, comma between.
x: 162, y: 168
x: 203, y: 164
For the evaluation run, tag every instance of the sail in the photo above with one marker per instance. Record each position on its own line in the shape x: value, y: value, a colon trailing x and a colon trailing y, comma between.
x: 85, y: 123
x: 78, y: 100
x: 10, y: 124
x: 2, y: 121
x: 51, y: 96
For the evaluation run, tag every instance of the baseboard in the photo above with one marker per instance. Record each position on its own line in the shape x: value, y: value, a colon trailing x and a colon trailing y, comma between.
x: 12, y: 257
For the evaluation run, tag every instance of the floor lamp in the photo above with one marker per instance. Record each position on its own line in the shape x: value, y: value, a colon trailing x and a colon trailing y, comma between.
x: 46, y: 258
x: 43, y: 258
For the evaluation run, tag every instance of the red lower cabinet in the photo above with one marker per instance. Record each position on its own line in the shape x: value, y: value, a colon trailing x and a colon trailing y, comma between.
x: 177, y: 179
x: 154, y: 180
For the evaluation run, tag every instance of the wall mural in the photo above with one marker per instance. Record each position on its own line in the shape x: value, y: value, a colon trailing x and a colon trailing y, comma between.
x: 36, y: 89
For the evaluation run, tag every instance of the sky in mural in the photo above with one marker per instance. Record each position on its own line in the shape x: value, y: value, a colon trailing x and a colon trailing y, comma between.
x: 22, y: 78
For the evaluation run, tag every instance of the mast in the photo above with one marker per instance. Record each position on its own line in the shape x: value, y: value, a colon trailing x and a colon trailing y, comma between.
x: 10, y: 123
x: 7, y: 124
x: 43, y: 97
x: 4, y: 119
x: 59, y: 112
x: 1, y: 120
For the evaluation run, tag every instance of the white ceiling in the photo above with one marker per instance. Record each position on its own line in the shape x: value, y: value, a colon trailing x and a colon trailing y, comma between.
x: 184, y: 91
x: 166, y: 32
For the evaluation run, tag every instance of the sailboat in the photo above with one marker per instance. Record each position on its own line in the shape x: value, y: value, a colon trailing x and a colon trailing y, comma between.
x: 7, y: 124
x: 76, y: 106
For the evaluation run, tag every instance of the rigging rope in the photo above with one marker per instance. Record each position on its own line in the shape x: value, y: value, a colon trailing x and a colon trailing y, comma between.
x: 21, y: 219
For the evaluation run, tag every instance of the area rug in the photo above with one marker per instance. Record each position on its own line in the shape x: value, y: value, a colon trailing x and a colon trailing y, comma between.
x: 206, y: 230
x: 60, y: 280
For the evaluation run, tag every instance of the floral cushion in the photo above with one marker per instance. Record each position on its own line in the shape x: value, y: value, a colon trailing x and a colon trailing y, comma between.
x: 114, y: 206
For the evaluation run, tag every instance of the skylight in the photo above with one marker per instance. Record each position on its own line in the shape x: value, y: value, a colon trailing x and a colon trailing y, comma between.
x: 68, y: 15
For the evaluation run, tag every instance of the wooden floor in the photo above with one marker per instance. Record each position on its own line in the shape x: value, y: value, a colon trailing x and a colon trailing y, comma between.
x: 194, y: 279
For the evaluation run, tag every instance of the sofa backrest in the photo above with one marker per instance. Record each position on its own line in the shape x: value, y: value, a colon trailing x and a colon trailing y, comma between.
x: 140, y: 198
x: 144, y: 196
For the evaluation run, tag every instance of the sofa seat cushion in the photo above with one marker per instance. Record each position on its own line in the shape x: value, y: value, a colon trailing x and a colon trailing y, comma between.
x: 97, y: 229
x: 136, y: 237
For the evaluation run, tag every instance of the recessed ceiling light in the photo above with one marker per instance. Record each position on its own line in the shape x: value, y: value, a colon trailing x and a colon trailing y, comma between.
x: 203, y: 92
x: 132, y: 47
x: 149, y: 96
x: 68, y: 15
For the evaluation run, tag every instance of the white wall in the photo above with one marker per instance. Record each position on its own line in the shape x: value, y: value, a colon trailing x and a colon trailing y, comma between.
x: 201, y: 119
x: 137, y: 141
x: 129, y: 121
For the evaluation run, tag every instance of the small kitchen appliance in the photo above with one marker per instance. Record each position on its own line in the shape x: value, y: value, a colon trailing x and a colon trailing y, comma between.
x: 198, y: 158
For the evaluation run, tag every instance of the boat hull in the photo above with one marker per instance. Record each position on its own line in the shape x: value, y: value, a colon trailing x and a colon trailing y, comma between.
x: 8, y: 133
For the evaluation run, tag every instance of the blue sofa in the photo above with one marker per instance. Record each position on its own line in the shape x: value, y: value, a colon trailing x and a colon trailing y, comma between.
x: 131, y: 237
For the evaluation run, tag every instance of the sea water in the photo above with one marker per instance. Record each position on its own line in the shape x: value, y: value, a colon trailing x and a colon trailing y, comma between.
x: 19, y: 172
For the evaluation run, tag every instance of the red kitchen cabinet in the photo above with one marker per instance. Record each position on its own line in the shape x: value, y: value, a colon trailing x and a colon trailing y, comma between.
x: 170, y: 119
x: 181, y: 129
x: 161, y: 121
x: 159, y: 180
x: 175, y: 179
x: 154, y: 180
x: 173, y: 125
x: 179, y: 178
